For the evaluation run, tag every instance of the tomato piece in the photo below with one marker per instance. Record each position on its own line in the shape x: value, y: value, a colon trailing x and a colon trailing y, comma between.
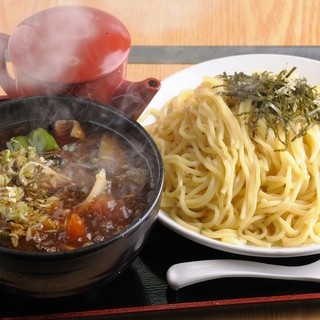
x: 75, y: 227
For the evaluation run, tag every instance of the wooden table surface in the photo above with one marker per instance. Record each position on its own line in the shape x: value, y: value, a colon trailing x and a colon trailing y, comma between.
x: 202, y: 23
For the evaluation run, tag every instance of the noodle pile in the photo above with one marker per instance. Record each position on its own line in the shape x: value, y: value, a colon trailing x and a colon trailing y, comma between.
x: 228, y: 184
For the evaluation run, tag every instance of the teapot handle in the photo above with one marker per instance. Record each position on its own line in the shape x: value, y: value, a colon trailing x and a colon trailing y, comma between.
x: 7, y: 83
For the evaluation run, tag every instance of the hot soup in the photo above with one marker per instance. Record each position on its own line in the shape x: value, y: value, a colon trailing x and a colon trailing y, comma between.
x: 69, y: 186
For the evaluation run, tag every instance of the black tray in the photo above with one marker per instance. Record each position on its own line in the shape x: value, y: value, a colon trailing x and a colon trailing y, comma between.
x: 143, y: 287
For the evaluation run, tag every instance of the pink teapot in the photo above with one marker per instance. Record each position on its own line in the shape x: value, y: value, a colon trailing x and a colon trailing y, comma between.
x: 73, y: 50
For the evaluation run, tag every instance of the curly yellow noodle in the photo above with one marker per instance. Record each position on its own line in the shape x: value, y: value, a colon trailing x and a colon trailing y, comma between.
x: 230, y: 185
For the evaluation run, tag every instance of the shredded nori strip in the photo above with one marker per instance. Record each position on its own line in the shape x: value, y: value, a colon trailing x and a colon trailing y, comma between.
x: 279, y: 99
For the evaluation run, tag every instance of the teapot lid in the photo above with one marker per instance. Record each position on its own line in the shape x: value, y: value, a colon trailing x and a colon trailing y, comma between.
x: 69, y: 44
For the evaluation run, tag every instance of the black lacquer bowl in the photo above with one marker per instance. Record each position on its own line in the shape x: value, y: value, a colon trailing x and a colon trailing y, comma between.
x: 53, y: 275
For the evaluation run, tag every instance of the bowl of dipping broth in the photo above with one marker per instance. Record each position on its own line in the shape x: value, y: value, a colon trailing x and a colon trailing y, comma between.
x: 80, y: 189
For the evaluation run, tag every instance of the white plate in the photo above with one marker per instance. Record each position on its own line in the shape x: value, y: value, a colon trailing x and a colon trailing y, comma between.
x: 192, y: 77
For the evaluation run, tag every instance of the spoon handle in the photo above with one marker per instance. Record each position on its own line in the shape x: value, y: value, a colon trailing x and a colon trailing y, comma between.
x: 184, y: 274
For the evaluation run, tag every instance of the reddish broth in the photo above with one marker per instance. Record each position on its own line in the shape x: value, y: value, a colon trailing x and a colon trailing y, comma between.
x: 73, y: 222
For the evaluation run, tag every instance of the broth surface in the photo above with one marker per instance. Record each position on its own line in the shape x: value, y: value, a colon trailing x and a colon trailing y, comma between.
x: 89, y: 189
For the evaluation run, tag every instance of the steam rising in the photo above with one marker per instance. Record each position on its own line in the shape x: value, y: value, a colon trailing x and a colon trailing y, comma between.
x: 78, y: 51
x: 55, y: 47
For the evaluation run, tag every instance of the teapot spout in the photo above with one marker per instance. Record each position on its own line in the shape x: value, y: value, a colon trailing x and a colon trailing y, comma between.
x: 133, y: 97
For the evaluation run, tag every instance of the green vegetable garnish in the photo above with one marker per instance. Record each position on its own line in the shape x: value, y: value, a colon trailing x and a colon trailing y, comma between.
x: 23, y: 201
x: 18, y: 142
x: 278, y: 99
x: 42, y: 140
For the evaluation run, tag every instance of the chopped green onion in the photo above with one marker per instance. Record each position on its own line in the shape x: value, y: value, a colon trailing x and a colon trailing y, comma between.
x: 18, y: 142
x: 42, y: 140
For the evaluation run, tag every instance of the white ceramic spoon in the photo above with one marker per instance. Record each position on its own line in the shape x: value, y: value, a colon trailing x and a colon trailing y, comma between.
x: 184, y: 274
